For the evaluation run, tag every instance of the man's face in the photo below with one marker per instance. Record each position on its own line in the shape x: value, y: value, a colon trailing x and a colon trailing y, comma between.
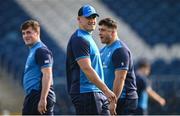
x: 105, y: 34
x: 30, y: 36
x: 145, y: 71
x: 87, y: 23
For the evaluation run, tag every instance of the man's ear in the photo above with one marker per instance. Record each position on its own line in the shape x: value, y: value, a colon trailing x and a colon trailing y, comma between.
x: 113, y: 32
x: 78, y: 18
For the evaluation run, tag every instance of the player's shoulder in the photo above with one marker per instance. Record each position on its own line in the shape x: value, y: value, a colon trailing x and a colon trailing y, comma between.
x: 43, y: 50
x: 122, y: 45
x: 78, y: 41
x: 120, y: 50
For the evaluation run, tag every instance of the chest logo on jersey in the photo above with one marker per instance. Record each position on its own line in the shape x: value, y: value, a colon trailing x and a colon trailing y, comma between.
x: 104, y: 65
x: 109, y: 54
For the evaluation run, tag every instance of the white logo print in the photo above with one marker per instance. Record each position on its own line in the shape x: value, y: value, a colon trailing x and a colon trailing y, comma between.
x: 122, y: 63
x: 46, y: 61
x: 109, y: 54
x: 104, y: 65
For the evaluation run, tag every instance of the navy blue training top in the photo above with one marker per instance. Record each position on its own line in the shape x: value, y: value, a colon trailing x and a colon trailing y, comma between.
x: 142, y: 85
x: 81, y: 45
x: 39, y: 57
x: 117, y: 56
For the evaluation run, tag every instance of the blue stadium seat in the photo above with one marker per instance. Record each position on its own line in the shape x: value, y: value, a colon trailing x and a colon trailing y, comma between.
x: 155, y: 21
x: 15, y: 52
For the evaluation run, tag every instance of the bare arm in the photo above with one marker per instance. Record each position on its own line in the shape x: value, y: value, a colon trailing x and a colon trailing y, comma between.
x: 85, y: 65
x: 120, y: 76
x: 156, y: 96
x: 46, y: 83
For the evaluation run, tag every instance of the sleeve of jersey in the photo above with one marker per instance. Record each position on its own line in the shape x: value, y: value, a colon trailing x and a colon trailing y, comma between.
x: 81, y: 48
x: 44, y: 58
x: 147, y: 83
x: 120, y: 59
x: 144, y: 84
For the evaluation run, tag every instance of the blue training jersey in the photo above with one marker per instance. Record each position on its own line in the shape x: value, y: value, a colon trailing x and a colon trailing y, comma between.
x: 117, y: 56
x: 81, y: 45
x: 39, y: 57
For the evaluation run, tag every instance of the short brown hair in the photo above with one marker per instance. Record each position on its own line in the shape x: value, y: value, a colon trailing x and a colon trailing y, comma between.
x: 108, y: 22
x: 31, y: 23
x: 143, y: 63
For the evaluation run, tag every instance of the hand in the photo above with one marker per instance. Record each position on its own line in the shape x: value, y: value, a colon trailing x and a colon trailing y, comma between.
x: 111, y: 96
x: 112, y: 108
x: 42, y: 106
x: 162, y: 102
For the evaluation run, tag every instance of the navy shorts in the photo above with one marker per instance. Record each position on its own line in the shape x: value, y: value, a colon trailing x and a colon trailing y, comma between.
x: 30, y: 106
x: 90, y: 103
x: 126, y: 106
